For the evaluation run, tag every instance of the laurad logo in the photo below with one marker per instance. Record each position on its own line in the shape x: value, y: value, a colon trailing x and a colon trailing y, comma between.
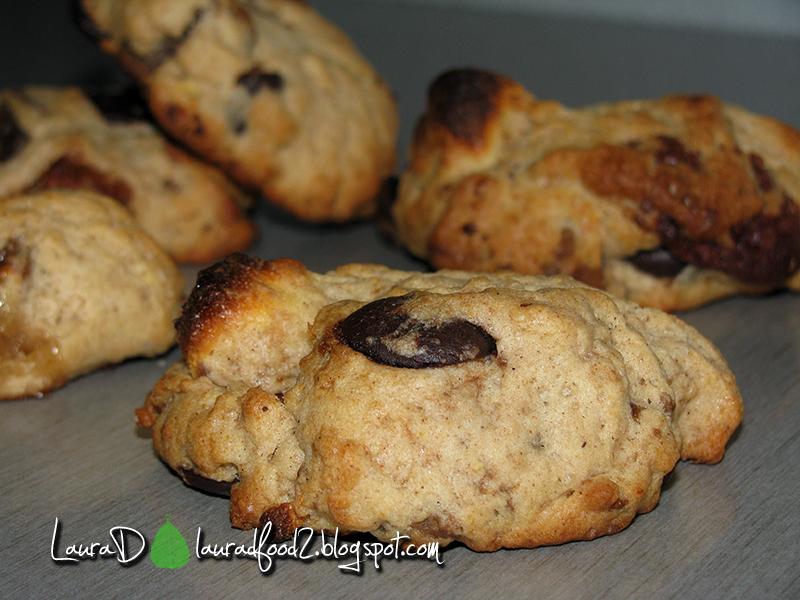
x: 126, y: 546
x: 171, y: 551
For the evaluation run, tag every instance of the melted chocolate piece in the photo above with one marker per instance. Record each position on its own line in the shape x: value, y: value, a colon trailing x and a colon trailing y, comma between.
x: 70, y: 174
x: 673, y: 152
x: 436, y: 526
x: 386, y: 334
x: 762, y: 175
x: 256, y: 80
x: 210, y: 486
x: 765, y: 248
x: 8, y: 251
x: 12, y: 137
x: 658, y: 262
x: 14, y: 257
x: 282, y: 519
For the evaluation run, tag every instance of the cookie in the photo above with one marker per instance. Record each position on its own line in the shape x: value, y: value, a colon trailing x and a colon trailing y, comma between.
x: 269, y: 90
x: 65, y: 138
x: 671, y: 203
x: 81, y: 286
x: 494, y: 410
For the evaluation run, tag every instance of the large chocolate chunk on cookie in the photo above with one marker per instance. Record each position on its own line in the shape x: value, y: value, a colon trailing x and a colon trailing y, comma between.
x: 64, y: 138
x: 671, y: 203
x: 385, y: 332
x: 269, y: 90
x: 492, y: 410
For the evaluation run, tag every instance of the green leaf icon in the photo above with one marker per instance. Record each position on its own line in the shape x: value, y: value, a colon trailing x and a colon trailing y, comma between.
x: 170, y: 549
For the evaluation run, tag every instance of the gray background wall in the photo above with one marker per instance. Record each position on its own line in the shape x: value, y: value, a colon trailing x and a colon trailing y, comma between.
x: 773, y: 17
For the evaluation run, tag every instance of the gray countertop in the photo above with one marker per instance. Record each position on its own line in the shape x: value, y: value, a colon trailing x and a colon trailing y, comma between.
x: 74, y: 465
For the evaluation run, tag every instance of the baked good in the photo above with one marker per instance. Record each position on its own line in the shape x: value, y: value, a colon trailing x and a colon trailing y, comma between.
x: 496, y: 410
x: 65, y: 138
x: 269, y: 90
x: 81, y: 286
x: 671, y: 203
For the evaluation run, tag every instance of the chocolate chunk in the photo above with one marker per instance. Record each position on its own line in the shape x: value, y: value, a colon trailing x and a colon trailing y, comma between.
x: 436, y: 526
x: 762, y: 176
x: 256, y: 80
x: 765, y: 249
x: 657, y: 262
x: 386, y: 334
x: 673, y: 152
x: 12, y: 137
x: 281, y: 519
x: 120, y: 105
x: 68, y: 173
x: 210, y: 486
x: 239, y: 126
x: 14, y: 258
x: 8, y: 251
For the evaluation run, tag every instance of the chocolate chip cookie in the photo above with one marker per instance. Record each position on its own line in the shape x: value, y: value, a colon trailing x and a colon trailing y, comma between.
x: 81, y: 286
x: 269, y: 90
x: 495, y: 410
x: 671, y: 203
x: 66, y: 138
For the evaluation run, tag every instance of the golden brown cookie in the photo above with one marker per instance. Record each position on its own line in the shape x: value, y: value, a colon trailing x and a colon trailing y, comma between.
x: 81, y: 286
x: 64, y: 138
x: 671, y: 203
x: 493, y: 410
x: 269, y: 90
